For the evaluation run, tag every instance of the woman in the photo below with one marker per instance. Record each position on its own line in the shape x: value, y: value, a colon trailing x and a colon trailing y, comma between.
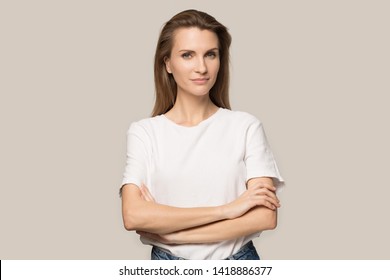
x: 200, y: 179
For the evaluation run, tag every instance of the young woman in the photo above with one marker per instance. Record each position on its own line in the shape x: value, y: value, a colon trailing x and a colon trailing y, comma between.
x: 200, y: 179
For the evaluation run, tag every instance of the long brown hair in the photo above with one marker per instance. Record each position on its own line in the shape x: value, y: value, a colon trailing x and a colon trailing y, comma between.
x: 165, y: 85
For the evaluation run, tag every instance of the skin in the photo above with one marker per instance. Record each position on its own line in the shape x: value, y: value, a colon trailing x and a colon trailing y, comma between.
x: 145, y: 215
x: 194, y: 63
x: 256, y: 219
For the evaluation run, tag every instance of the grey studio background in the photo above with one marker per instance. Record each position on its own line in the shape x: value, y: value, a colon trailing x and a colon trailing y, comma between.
x: 75, y: 74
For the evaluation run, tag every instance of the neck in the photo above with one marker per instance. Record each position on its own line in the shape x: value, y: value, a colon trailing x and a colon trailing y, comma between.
x: 191, y: 110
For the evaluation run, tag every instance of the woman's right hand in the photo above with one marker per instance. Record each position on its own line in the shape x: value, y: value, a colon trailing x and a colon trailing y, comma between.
x: 262, y: 194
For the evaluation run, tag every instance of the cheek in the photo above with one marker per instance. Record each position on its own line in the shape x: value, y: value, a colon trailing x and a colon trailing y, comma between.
x: 214, y: 67
x: 181, y: 69
x: 219, y: 64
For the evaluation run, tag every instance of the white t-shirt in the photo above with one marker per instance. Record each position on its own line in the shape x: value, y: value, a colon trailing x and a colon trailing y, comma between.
x: 203, y: 165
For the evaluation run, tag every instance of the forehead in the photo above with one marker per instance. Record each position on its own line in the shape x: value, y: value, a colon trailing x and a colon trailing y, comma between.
x: 193, y: 38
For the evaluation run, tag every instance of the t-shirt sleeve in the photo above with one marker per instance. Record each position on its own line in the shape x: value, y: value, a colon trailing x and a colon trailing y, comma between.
x: 259, y: 159
x: 136, y: 157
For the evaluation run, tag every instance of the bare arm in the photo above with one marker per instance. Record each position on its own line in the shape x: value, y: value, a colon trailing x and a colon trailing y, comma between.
x: 257, y: 219
x: 142, y: 214
x: 139, y: 214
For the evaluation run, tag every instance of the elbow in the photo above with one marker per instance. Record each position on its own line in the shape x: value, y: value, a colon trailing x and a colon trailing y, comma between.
x: 133, y: 213
x: 128, y: 225
x: 269, y: 220
x: 272, y: 224
x: 130, y: 221
x: 272, y: 220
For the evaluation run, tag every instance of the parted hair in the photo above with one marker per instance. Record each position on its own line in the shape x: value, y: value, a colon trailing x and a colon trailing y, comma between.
x: 165, y: 85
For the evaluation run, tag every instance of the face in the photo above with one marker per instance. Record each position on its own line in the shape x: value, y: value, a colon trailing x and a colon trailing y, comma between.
x: 194, y: 61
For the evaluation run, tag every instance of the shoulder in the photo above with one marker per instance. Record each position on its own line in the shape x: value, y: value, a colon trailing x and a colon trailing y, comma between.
x: 240, y: 118
x: 144, y: 126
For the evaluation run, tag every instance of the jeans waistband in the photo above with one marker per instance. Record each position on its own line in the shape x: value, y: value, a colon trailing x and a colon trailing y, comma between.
x: 246, y: 252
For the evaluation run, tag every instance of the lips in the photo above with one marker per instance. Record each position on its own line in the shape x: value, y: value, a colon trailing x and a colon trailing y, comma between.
x: 200, y: 80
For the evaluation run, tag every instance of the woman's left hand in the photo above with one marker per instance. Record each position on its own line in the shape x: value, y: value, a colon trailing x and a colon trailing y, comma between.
x: 146, y: 193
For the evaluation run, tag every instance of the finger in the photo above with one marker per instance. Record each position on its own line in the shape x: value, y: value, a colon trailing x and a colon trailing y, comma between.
x: 267, y: 200
x: 273, y: 202
x: 148, y: 194
x: 269, y: 204
x: 267, y: 193
x: 265, y: 185
x: 270, y: 187
x: 273, y: 199
x: 145, y: 192
x: 273, y: 196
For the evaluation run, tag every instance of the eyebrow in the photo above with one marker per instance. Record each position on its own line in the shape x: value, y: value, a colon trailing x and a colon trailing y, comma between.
x: 213, y: 49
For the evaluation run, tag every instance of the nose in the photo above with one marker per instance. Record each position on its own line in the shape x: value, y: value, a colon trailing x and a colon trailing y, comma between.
x: 201, y: 66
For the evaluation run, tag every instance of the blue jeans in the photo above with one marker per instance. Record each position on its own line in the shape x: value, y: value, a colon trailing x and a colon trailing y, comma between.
x: 247, y: 252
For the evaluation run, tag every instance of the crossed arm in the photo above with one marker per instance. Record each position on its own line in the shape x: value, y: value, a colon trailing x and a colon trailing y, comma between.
x: 255, y: 210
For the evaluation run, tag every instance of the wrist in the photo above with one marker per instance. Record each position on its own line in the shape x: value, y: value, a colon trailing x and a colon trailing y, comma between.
x: 178, y: 237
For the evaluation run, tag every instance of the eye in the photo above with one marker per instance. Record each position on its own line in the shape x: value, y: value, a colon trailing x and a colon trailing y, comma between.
x: 186, y: 55
x: 211, y: 54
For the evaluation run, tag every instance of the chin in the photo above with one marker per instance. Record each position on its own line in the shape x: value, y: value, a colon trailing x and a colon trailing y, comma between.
x: 197, y: 91
x: 201, y: 91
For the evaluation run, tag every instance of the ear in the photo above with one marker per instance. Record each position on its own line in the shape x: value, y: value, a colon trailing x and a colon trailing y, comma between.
x: 167, y: 62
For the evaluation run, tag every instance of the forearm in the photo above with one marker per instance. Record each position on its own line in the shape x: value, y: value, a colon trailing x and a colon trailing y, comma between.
x: 255, y: 220
x: 142, y: 215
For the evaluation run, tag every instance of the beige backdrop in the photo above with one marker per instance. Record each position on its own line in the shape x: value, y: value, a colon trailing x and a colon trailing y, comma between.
x: 75, y: 74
